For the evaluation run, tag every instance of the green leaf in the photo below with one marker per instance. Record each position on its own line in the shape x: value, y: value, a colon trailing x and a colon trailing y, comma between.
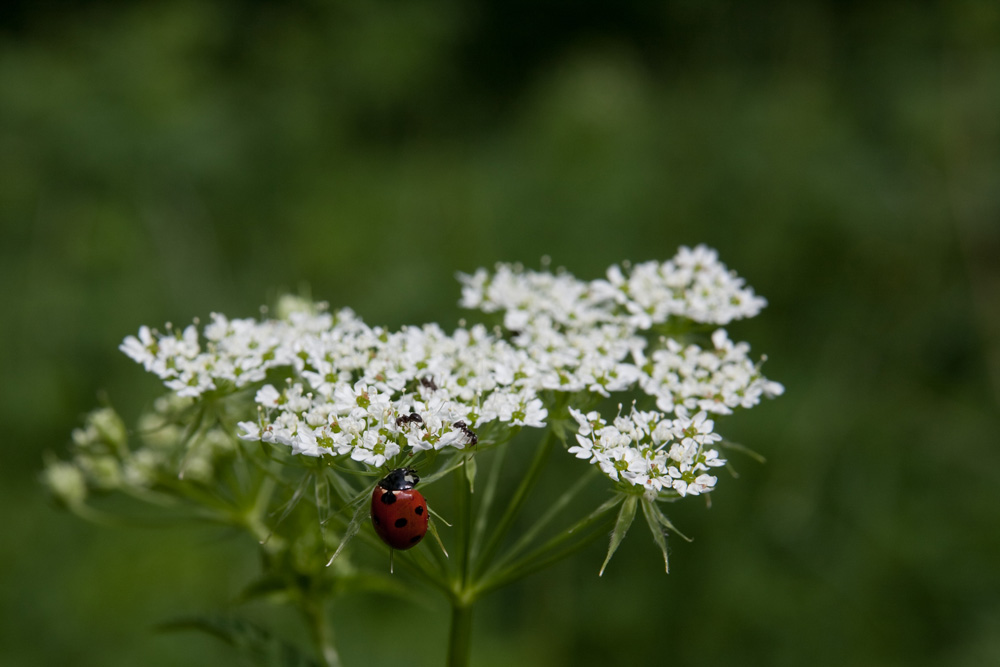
x: 665, y: 522
x: 287, y: 508
x: 342, y: 487
x: 438, y: 516
x: 431, y: 526
x: 649, y: 509
x: 625, y: 517
x: 486, y: 499
x: 322, y: 498
x: 470, y: 472
x: 251, y: 640
x: 352, y: 529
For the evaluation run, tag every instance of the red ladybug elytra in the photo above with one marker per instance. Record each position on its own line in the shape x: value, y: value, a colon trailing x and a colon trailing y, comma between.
x: 399, y: 512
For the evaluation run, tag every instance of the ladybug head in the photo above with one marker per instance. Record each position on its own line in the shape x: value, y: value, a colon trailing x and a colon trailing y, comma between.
x: 400, y: 479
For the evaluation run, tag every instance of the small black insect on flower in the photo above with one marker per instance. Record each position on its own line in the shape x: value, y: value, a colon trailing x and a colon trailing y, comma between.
x: 469, y: 433
x: 412, y: 418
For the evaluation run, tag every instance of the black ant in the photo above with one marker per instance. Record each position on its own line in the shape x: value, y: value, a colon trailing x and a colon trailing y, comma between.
x: 469, y: 433
x: 412, y: 418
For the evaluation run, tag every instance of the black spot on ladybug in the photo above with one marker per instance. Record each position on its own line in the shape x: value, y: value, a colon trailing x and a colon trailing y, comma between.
x: 419, y: 510
x: 388, y: 497
x: 415, y: 539
x: 400, y: 523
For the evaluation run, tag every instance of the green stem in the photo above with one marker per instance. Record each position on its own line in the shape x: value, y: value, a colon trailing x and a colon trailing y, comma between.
x: 460, y: 636
x: 462, y: 594
x: 322, y: 635
x: 510, y: 514
x: 486, y: 501
x: 552, y: 551
x: 535, y: 562
x: 555, y: 508
x: 463, y: 528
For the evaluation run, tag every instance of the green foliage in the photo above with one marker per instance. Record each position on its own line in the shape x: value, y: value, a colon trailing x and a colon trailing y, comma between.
x: 624, y: 521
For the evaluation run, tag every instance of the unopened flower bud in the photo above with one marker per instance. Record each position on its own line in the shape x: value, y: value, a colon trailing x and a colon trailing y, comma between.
x: 65, y: 482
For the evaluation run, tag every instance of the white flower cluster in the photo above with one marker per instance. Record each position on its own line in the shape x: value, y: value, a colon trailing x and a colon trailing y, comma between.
x: 356, y: 390
x: 371, y: 394
x: 716, y: 380
x: 694, y: 285
x: 650, y: 450
x: 593, y: 336
x: 236, y: 352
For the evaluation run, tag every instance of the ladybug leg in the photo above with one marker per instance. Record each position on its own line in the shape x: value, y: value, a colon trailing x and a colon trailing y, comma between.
x: 390, y: 559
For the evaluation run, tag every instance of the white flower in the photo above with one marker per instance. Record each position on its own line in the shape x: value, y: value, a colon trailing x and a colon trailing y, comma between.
x: 701, y: 484
x: 621, y: 462
x: 373, y: 450
x: 249, y: 431
x: 712, y: 459
x: 698, y: 429
x: 268, y: 397
x: 142, y: 349
x: 585, y: 449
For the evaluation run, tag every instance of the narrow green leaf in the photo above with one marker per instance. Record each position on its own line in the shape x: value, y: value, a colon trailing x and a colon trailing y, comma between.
x: 193, y: 428
x: 661, y: 517
x: 287, y: 508
x: 438, y: 516
x: 625, y: 517
x: 470, y: 472
x: 344, y: 489
x: 432, y: 527
x: 322, y: 498
x: 352, y: 529
x: 486, y: 502
x: 649, y: 510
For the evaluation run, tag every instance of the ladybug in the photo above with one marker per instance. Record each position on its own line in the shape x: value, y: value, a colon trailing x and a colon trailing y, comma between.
x: 399, y: 512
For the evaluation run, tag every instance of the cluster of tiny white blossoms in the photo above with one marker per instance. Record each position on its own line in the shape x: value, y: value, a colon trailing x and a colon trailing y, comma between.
x: 651, y: 450
x: 235, y: 352
x: 596, y: 336
x: 353, y: 390
x: 371, y: 394
x: 694, y: 285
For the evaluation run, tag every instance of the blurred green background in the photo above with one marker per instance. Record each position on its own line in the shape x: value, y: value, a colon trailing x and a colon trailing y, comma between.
x: 162, y: 160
